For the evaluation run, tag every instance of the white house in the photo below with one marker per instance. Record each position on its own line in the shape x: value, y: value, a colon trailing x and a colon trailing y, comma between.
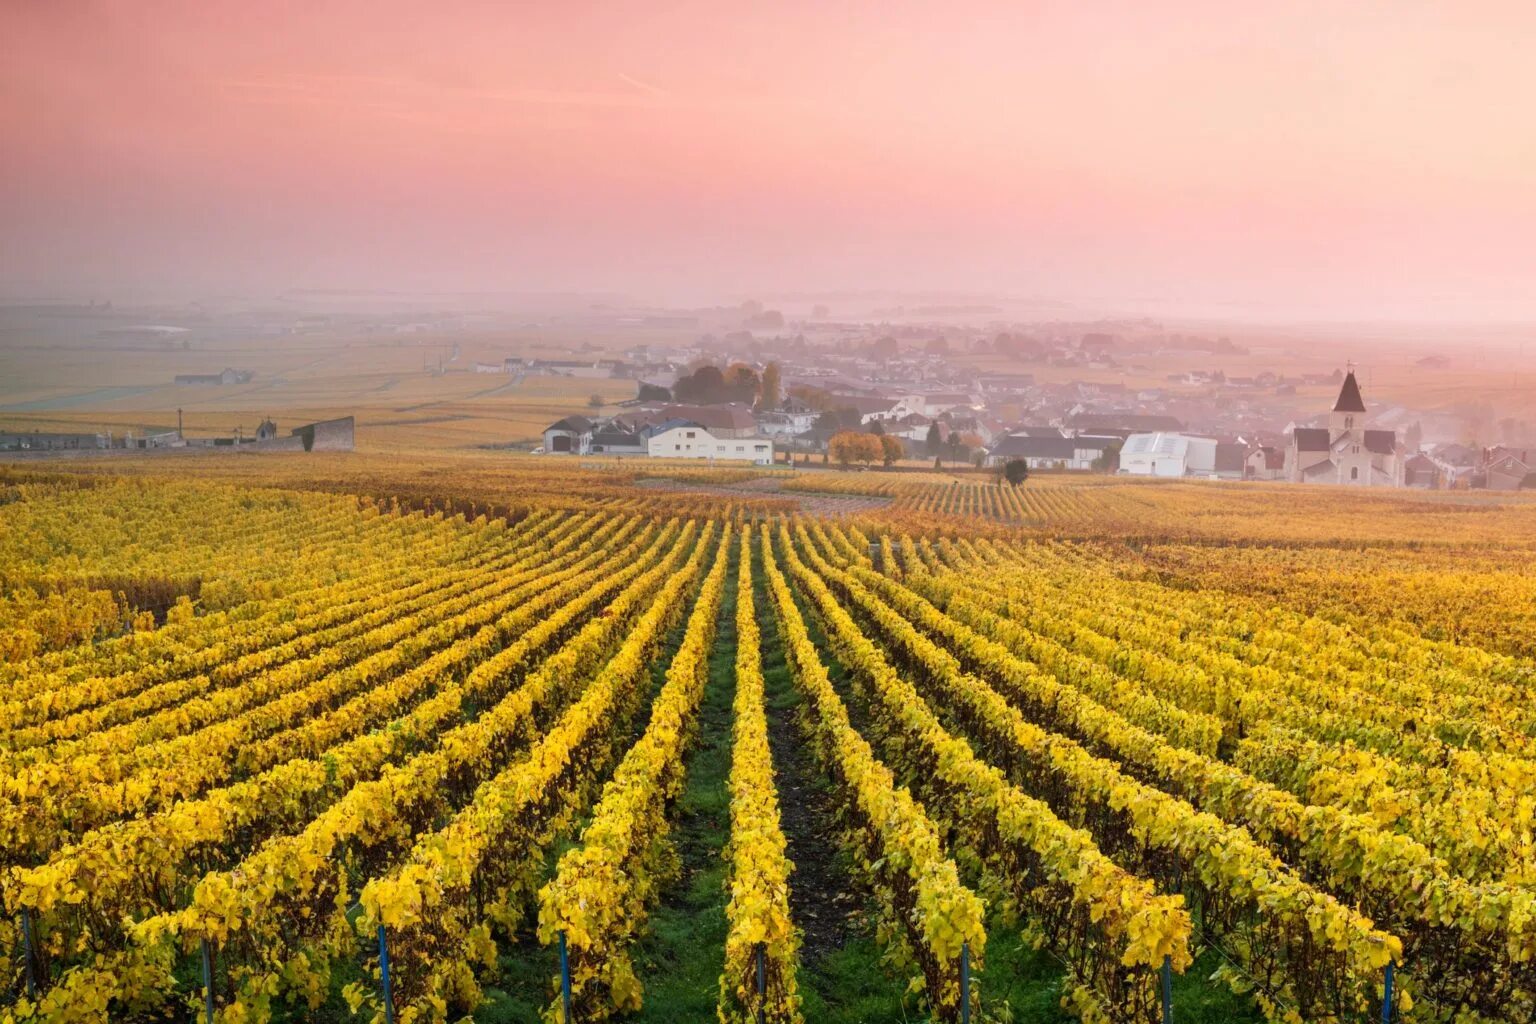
x: 572, y: 435
x: 1168, y: 454
x: 785, y: 424
x: 938, y: 404
x: 691, y: 441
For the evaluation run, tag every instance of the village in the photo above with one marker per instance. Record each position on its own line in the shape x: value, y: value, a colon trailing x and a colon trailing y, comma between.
x: 1204, y: 425
x: 959, y: 387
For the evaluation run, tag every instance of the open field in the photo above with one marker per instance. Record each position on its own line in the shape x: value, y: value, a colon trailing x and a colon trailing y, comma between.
x: 407, y: 391
x: 1076, y: 734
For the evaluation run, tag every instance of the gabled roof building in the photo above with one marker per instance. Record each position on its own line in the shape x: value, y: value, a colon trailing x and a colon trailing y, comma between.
x: 1345, y: 452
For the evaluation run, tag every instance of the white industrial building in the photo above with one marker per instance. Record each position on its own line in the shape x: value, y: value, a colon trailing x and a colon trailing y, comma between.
x: 1168, y: 454
x: 691, y: 441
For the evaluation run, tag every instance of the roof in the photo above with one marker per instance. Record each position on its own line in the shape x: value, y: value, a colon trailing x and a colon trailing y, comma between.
x: 1016, y: 446
x: 1349, y: 396
x: 1421, y: 462
x: 574, y: 424
x: 1037, y: 431
x: 1381, y: 442
x: 865, y: 405
x: 1500, y: 451
x: 673, y: 424
x: 1310, y: 439
x: 1160, y: 444
x: 1129, y: 421
x: 1457, y: 454
x: 1230, y: 458
x: 1324, y: 468
x: 619, y: 437
x: 1509, y: 464
x: 713, y: 417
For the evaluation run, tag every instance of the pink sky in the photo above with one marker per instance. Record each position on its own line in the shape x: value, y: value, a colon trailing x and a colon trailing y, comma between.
x: 1351, y: 159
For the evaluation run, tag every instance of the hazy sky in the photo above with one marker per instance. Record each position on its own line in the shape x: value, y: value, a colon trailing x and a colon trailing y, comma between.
x: 1349, y: 159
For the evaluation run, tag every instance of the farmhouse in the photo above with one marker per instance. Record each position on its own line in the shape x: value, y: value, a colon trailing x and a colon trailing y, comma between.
x: 1507, y: 469
x: 1265, y: 462
x: 732, y: 420
x: 224, y: 376
x: 612, y: 439
x: 572, y: 434
x: 1045, y: 452
x: 688, y: 440
x: 1421, y: 471
x: 785, y: 424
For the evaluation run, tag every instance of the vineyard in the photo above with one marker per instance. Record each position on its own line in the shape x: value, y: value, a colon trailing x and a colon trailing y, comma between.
x: 576, y: 749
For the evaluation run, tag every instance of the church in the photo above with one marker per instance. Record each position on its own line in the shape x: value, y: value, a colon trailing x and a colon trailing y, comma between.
x: 1345, y: 452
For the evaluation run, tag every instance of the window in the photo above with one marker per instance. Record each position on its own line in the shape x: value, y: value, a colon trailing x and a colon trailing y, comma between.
x: 689, y: 435
x: 741, y: 447
x: 1354, y: 473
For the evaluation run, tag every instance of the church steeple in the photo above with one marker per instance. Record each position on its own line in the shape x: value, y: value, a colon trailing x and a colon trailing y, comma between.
x: 1349, y: 396
x: 1349, y: 411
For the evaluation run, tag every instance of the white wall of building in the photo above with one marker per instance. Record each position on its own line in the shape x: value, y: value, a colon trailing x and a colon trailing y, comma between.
x: 1157, y: 455
x: 1200, y: 458
x: 697, y: 443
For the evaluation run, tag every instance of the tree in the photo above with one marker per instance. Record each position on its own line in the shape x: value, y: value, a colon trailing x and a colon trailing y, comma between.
x: 891, y: 450
x: 1016, y: 471
x: 876, y: 428
x: 654, y: 393
x: 703, y: 386
x: 743, y: 378
x: 839, y: 419
x: 934, y: 439
x: 815, y: 398
x: 768, y: 399
x: 594, y: 401
x: 850, y: 446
